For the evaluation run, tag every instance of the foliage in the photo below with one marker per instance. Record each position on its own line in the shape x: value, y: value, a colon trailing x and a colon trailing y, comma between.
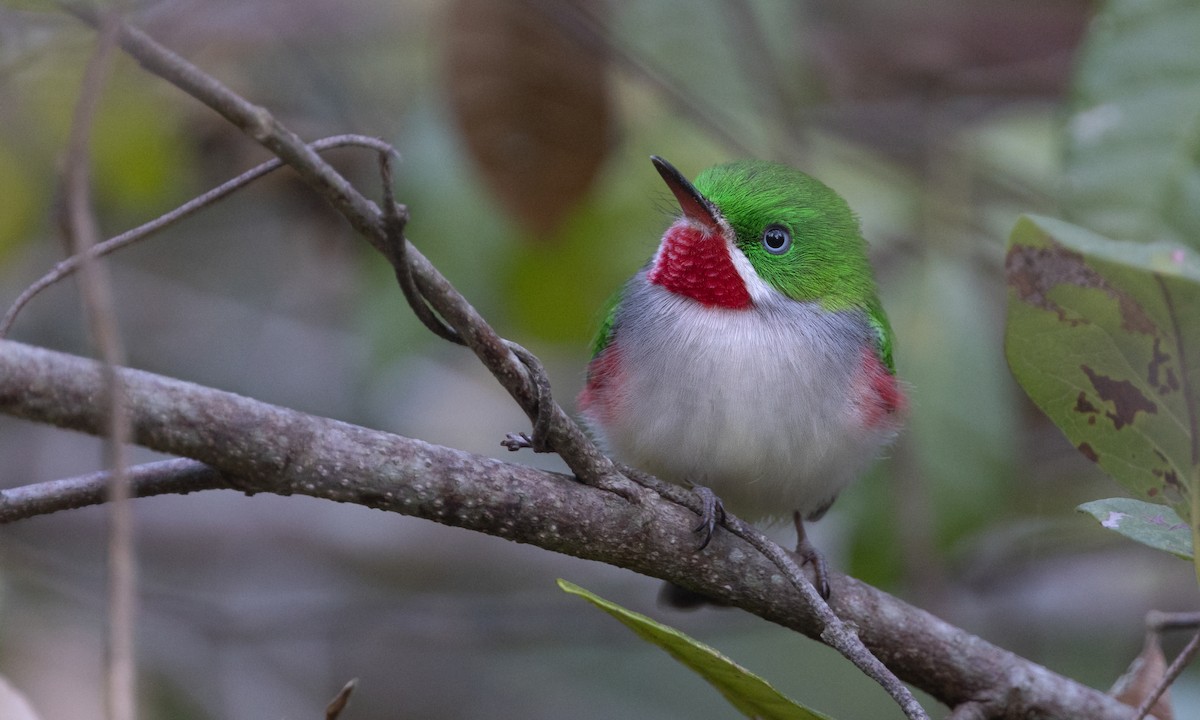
x: 1103, y: 333
x: 1148, y: 523
x: 1132, y: 168
x: 1102, y: 336
x: 750, y: 694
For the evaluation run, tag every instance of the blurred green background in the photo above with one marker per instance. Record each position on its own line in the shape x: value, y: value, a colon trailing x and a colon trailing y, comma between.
x: 525, y: 128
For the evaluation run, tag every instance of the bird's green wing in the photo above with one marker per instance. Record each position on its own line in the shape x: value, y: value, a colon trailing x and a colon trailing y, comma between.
x: 878, y: 320
x: 607, y: 329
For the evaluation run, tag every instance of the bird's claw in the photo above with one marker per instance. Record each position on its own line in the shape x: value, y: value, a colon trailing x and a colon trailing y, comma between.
x: 517, y: 441
x: 808, y: 554
x: 712, y: 514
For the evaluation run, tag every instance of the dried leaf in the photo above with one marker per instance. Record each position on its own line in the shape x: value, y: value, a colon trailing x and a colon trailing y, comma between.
x: 528, y: 87
x: 1143, y: 677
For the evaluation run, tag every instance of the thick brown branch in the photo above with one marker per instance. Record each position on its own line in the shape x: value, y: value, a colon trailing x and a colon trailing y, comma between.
x: 264, y: 448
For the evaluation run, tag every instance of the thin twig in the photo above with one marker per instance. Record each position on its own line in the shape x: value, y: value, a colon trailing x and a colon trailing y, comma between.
x: 100, y: 309
x: 70, y: 265
x: 165, y: 477
x: 1158, y: 621
x: 395, y: 218
x: 1172, y: 672
x: 835, y: 633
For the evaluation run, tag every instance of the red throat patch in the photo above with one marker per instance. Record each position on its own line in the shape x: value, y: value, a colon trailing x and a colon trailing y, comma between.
x: 696, y: 264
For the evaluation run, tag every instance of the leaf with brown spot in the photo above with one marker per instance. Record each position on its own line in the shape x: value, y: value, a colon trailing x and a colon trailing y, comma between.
x: 528, y: 86
x: 1124, y: 397
x: 1104, y: 336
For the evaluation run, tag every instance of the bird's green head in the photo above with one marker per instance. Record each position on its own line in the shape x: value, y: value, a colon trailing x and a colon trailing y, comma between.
x: 772, y: 223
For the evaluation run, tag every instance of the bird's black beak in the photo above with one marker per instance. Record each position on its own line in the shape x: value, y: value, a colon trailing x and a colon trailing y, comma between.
x: 695, y: 206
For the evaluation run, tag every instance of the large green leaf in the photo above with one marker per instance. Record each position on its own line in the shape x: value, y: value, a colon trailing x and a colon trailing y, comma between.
x: 1133, y: 171
x: 750, y: 694
x: 1148, y: 523
x: 1105, y: 337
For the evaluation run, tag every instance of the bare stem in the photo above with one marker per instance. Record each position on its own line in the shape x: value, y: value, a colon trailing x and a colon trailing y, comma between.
x: 70, y: 265
x: 1159, y: 621
x: 1172, y: 672
x: 100, y: 309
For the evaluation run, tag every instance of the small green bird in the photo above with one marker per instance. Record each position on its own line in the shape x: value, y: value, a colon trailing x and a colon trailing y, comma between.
x: 751, y: 355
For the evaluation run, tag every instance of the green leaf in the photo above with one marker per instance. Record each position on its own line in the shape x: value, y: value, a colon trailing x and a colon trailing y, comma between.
x: 18, y: 211
x: 1132, y: 171
x: 1148, y: 523
x: 750, y: 694
x: 1104, y: 336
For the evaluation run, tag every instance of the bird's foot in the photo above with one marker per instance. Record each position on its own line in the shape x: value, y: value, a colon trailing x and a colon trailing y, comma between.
x: 521, y: 440
x: 807, y: 554
x: 712, y: 514
x: 517, y: 441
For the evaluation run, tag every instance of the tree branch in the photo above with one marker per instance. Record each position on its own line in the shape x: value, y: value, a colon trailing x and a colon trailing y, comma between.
x: 261, y: 448
x: 257, y: 447
x: 515, y: 368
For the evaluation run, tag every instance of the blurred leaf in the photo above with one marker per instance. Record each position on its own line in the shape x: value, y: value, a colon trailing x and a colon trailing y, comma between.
x: 557, y: 292
x: 1148, y: 523
x: 141, y: 158
x: 1133, y: 172
x: 17, y: 211
x: 529, y: 89
x: 750, y: 694
x: 1145, y: 674
x: 1104, y: 337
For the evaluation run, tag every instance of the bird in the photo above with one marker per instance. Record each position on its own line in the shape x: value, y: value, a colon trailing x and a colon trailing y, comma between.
x: 750, y: 358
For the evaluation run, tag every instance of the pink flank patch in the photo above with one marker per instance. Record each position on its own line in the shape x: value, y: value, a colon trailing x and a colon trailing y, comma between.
x: 880, y: 394
x: 600, y: 395
x: 696, y: 264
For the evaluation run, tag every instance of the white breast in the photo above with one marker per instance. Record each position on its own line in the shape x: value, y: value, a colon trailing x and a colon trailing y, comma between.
x: 756, y: 404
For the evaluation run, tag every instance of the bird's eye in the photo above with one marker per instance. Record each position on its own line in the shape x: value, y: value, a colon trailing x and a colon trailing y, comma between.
x: 776, y: 239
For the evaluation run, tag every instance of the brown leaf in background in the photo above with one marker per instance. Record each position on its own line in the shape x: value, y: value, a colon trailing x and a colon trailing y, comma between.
x: 528, y: 86
x: 1143, y: 677
x: 887, y: 63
